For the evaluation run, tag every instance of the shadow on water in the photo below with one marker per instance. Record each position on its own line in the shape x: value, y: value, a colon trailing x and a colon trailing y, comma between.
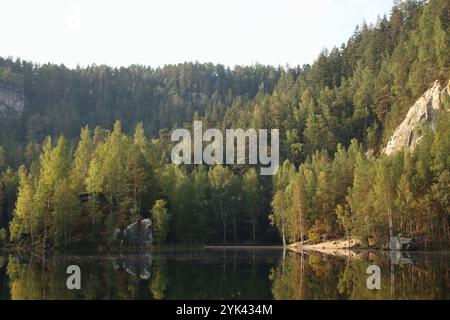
x: 227, y: 274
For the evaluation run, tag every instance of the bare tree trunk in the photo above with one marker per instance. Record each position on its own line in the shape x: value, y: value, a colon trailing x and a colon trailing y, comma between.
x: 235, y: 229
x: 391, y: 223
x: 300, y: 214
x: 224, y: 231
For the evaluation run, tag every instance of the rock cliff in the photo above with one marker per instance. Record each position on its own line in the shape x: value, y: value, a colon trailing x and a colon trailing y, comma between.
x: 10, y: 99
x: 424, y: 111
x: 137, y: 234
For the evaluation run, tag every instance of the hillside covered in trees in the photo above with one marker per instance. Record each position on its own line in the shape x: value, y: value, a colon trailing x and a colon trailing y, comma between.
x: 334, y: 116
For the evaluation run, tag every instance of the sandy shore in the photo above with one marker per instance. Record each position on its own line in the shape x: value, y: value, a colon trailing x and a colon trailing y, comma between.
x: 343, y: 247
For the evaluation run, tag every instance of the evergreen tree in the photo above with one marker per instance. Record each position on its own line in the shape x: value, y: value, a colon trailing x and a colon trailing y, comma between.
x: 22, y: 222
x: 251, y: 195
x: 161, y: 220
x: 82, y: 159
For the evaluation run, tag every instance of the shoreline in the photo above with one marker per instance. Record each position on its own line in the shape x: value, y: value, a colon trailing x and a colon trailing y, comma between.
x: 244, y: 247
x: 339, y: 244
x: 341, y: 247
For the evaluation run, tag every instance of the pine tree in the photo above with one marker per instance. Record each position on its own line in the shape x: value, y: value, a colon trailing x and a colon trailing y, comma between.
x: 385, y: 186
x: 137, y: 179
x: 405, y: 201
x: 161, y: 220
x: 281, y: 201
x: 54, y: 167
x: 22, y: 222
x: 2, y: 158
x: 10, y: 182
x: 200, y: 201
x: 225, y: 190
x: 82, y: 159
x: 66, y: 210
x: 361, y: 198
x: 251, y: 194
x: 299, y: 206
x: 281, y: 213
x: 325, y: 200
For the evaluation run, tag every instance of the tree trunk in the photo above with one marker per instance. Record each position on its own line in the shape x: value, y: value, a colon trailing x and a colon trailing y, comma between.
x: 254, y: 232
x: 235, y: 229
x: 224, y: 232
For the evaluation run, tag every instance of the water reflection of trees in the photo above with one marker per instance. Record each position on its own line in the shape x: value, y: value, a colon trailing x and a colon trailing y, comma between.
x: 34, y: 277
x: 302, y: 276
x: 226, y: 274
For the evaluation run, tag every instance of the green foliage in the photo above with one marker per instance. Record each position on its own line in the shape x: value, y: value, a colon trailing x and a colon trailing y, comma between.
x: 2, y: 158
x: 225, y: 190
x: 2, y: 236
x: 329, y: 185
x: 251, y: 199
x: 66, y: 210
x: 161, y: 220
x: 23, y: 214
x: 82, y: 158
x: 367, y: 198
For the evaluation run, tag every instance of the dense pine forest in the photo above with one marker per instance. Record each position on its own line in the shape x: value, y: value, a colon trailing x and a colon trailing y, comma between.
x: 335, y: 117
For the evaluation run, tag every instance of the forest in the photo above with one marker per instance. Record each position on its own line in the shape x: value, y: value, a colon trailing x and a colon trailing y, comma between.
x: 105, y: 132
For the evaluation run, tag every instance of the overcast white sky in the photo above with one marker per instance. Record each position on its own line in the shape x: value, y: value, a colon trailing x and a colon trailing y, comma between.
x: 120, y: 33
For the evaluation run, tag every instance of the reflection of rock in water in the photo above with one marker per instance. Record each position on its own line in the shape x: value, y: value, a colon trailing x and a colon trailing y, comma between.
x: 398, y: 258
x: 137, y: 266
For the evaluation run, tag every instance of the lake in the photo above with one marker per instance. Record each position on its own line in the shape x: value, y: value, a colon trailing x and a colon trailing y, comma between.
x: 261, y: 274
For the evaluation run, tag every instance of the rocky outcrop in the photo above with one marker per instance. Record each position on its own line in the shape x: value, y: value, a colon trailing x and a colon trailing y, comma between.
x: 11, y: 100
x: 137, y: 234
x: 423, y: 112
x: 400, y: 243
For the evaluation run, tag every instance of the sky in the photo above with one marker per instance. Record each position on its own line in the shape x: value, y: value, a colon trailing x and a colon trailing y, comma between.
x: 155, y: 33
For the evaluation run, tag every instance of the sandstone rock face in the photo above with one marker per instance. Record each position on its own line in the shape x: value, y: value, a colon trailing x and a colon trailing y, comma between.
x: 10, y: 100
x: 423, y: 112
x: 138, y: 234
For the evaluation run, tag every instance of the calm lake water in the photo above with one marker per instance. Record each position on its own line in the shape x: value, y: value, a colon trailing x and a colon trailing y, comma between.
x: 227, y: 274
